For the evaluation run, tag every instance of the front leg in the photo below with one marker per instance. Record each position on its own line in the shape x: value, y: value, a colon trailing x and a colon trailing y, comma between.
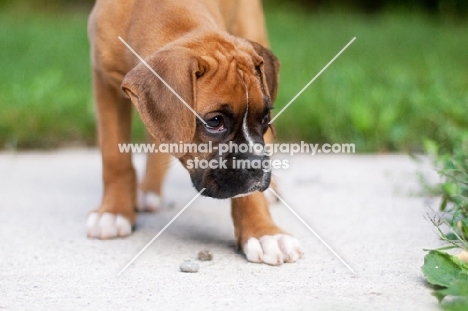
x: 116, y: 215
x: 258, y: 236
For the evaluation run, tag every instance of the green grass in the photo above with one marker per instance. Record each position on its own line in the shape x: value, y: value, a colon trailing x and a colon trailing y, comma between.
x: 45, y: 93
x: 403, y: 80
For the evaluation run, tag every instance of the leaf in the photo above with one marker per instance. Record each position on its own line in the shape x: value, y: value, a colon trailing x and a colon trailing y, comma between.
x: 450, y: 188
x: 443, y: 205
x: 431, y: 147
x: 443, y: 269
x: 451, y: 236
x: 458, y: 288
x: 460, y: 304
x: 443, y: 248
x: 464, y: 226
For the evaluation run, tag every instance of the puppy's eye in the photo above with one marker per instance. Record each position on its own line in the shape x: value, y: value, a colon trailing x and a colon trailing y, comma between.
x: 215, y: 124
x: 266, y: 119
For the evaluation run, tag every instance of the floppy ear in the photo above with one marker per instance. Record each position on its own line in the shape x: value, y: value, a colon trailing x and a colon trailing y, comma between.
x: 164, y: 115
x: 271, y: 68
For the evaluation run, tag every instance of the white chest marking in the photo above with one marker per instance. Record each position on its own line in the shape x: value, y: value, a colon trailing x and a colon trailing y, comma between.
x: 245, y: 128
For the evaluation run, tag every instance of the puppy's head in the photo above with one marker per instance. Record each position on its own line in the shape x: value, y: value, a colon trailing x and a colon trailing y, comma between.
x: 231, y: 84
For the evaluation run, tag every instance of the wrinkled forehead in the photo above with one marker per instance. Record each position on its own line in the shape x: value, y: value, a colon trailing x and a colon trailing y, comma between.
x: 231, y: 80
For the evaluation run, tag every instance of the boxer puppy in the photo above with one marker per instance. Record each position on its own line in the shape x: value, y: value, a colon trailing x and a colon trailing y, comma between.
x: 207, y: 52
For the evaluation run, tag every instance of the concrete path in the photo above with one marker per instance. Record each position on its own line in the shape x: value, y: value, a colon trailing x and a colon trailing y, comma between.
x: 366, y: 207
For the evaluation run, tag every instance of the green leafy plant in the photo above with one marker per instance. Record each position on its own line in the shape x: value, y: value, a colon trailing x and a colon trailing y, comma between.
x: 447, y: 273
x: 449, y: 276
x: 453, y: 168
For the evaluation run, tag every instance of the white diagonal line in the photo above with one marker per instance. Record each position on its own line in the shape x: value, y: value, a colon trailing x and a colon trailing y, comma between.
x: 315, y: 233
x: 162, y: 80
x: 313, y: 79
x: 159, y: 233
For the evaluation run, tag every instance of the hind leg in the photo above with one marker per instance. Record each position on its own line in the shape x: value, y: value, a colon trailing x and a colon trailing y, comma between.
x: 150, y: 189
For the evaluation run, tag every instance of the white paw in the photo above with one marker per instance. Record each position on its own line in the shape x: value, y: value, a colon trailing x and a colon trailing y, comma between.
x: 107, y: 226
x: 148, y: 201
x: 273, y: 249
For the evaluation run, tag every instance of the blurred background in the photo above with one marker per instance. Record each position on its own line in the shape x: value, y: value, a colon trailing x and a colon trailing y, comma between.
x: 402, y: 83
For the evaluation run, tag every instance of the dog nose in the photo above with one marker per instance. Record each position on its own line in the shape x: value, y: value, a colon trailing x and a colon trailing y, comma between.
x: 249, y: 167
x: 251, y: 158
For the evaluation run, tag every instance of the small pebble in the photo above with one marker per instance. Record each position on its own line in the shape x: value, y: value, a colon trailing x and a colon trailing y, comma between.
x: 189, y: 266
x: 205, y: 255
